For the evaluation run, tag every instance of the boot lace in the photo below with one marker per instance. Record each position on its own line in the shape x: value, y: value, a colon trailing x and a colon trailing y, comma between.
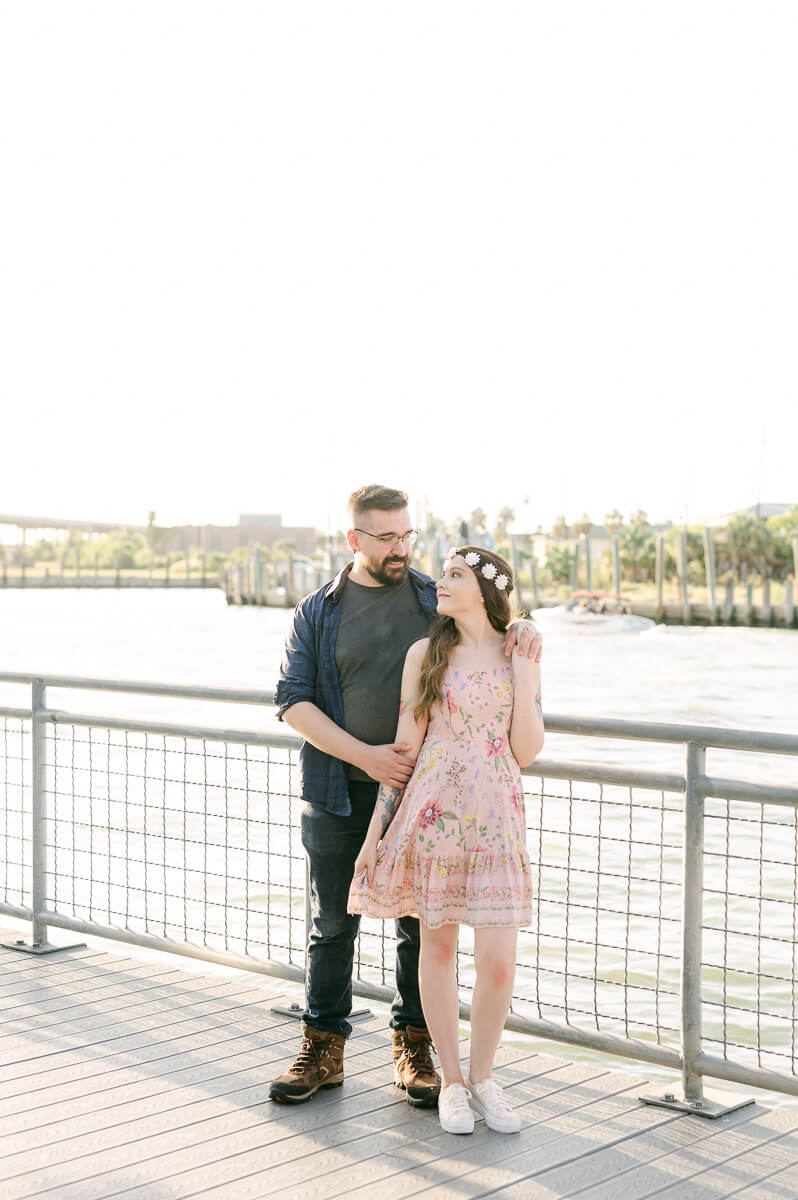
x: 418, y: 1055
x: 307, y: 1057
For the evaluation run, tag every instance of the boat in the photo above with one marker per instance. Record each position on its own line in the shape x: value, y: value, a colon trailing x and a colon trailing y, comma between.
x: 599, y: 611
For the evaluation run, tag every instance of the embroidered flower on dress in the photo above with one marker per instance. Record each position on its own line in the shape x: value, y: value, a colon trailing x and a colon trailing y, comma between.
x: 488, y: 569
x: 496, y: 746
x: 472, y: 558
x: 429, y: 815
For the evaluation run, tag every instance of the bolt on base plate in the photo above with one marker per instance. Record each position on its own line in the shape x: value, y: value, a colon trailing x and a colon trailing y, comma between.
x: 707, y: 1107
x: 296, y: 1010
x: 40, y: 947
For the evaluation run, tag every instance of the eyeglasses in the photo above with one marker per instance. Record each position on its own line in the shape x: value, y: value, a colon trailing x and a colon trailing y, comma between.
x: 392, y: 539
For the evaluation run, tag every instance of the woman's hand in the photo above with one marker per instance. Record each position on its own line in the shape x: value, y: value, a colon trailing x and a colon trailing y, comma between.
x: 366, y: 861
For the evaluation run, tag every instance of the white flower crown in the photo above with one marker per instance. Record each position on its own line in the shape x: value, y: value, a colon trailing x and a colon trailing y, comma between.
x: 488, y: 569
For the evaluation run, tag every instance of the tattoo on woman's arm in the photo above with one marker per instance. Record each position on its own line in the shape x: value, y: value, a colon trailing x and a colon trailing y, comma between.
x: 390, y: 798
x: 539, y: 703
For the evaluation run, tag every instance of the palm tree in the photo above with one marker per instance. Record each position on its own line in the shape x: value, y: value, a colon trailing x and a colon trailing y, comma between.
x: 478, y: 522
x: 637, y: 544
x: 747, y: 546
x: 613, y: 522
x: 559, y: 561
x: 503, y: 521
x: 559, y: 530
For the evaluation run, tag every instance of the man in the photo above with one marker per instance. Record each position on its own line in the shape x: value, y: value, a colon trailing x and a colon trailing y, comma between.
x: 339, y: 688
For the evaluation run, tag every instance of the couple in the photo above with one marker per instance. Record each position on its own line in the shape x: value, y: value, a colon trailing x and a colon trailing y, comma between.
x: 426, y: 824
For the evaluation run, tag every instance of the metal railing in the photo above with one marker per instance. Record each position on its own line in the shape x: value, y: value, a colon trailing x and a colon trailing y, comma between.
x: 665, y: 925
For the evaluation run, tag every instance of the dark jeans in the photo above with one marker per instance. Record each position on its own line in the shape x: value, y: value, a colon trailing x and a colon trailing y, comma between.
x: 332, y: 844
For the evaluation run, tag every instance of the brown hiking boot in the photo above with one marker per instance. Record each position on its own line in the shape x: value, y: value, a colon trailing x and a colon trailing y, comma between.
x: 319, y: 1064
x: 413, y: 1069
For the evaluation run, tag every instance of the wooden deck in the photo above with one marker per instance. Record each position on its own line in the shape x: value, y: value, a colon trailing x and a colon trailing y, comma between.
x: 123, y: 1077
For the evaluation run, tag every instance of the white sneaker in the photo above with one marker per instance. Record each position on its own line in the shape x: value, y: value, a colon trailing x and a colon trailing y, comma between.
x: 454, y: 1110
x: 488, y: 1100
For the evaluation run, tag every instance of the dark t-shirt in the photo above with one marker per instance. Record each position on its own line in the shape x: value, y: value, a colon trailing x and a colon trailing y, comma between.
x: 377, y: 627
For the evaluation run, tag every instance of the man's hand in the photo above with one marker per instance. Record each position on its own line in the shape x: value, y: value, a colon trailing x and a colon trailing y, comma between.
x: 526, y: 637
x: 390, y: 765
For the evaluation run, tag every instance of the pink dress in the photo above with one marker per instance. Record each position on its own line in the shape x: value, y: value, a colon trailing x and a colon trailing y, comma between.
x: 456, y: 849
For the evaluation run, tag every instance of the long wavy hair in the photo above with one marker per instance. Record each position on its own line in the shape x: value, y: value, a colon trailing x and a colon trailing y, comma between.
x: 444, y: 635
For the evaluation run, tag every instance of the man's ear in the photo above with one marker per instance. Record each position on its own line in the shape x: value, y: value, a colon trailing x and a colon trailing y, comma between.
x: 351, y: 538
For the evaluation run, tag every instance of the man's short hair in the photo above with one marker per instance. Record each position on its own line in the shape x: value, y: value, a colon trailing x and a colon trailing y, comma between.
x: 374, y: 495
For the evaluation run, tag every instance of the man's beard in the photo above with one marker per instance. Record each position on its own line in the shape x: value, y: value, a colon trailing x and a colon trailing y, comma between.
x: 387, y: 572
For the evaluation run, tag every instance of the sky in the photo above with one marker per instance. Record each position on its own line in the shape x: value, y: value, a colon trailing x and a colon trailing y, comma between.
x: 255, y: 255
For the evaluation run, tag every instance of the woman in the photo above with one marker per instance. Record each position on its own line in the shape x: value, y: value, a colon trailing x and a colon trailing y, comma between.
x: 451, y: 846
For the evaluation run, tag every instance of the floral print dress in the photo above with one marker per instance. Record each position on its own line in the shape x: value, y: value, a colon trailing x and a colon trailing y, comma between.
x: 456, y: 849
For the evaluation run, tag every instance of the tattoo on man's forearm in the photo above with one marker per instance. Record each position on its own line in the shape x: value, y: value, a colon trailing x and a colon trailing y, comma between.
x: 539, y: 703
x: 390, y: 798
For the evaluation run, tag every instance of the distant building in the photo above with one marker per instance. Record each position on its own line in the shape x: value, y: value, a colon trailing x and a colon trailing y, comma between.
x: 762, y: 510
x: 251, y: 530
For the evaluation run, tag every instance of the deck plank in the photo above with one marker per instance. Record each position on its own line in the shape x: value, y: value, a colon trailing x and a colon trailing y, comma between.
x: 135, y: 1079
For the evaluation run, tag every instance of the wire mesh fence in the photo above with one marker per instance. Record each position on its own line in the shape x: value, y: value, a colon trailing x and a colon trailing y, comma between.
x: 750, y: 933
x: 15, y: 817
x: 196, y: 840
x: 192, y: 840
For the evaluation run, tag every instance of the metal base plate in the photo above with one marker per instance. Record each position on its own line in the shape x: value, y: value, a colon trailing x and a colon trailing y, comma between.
x: 41, y: 947
x: 698, y: 1108
x: 296, y: 1010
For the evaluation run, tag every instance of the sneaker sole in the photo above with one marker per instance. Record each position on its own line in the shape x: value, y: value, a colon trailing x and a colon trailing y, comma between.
x: 492, y: 1123
x: 282, y: 1098
x: 448, y: 1129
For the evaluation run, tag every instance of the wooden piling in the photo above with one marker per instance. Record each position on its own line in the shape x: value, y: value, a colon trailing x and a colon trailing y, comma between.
x: 681, y: 544
x: 533, y: 580
x: 616, y: 563
x: 709, y: 565
x: 659, y: 574
x: 766, y: 616
x: 748, y: 609
x: 516, y: 565
x: 258, y: 565
x: 728, y: 602
x: 789, y: 606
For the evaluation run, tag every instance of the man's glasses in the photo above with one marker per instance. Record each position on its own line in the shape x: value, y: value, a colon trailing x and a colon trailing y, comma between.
x: 392, y: 539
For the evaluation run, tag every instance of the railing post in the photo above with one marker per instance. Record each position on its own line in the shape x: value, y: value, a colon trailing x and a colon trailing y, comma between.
x: 39, y: 943
x: 694, y: 1100
x: 692, y: 917
x: 38, y: 810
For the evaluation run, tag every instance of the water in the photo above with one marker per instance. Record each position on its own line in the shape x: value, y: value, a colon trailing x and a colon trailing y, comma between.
x: 724, y: 676
x: 739, y: 677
